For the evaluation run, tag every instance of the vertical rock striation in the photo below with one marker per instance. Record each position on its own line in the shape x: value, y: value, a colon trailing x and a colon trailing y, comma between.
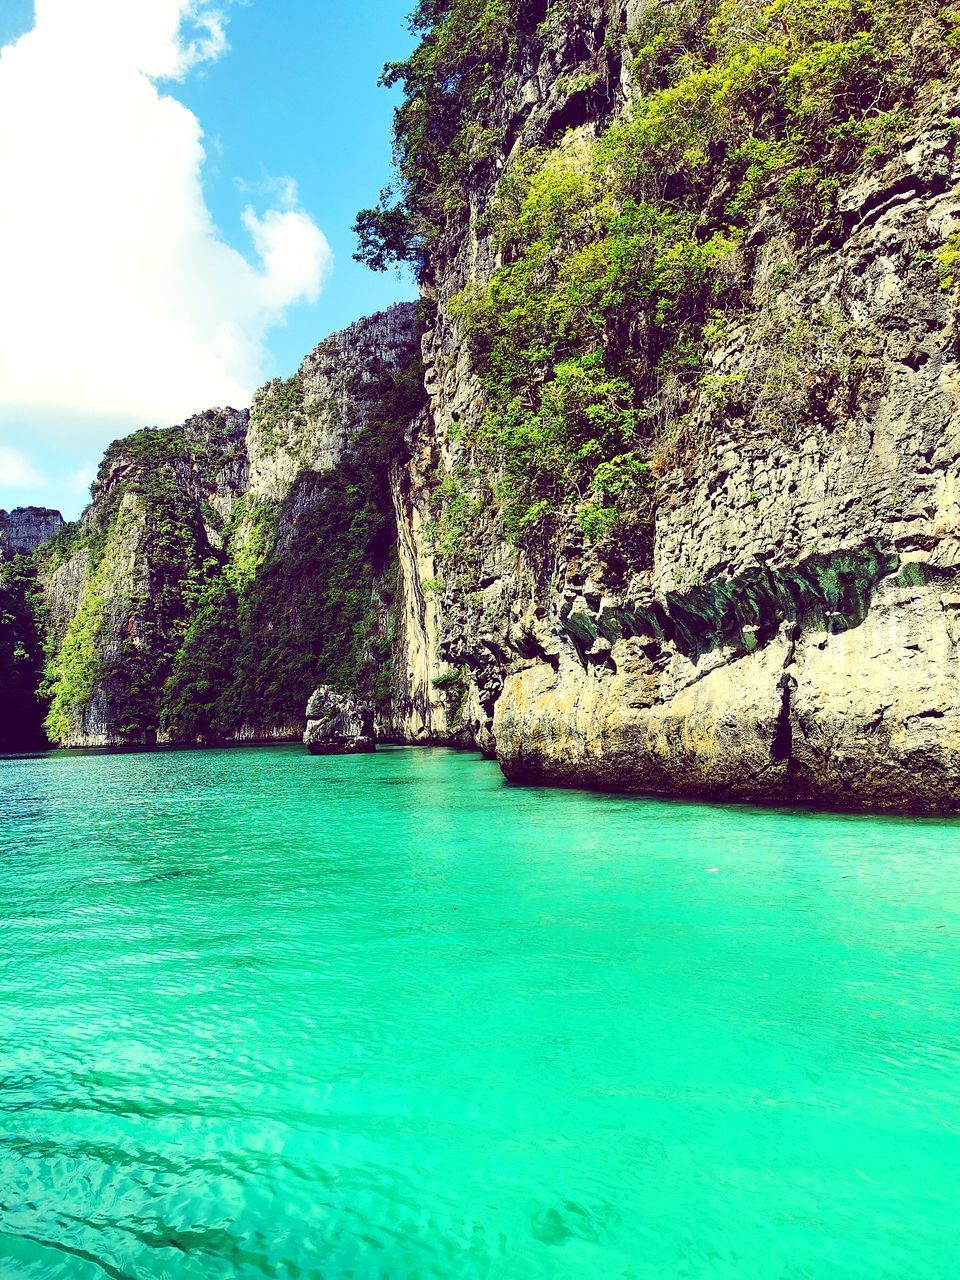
x: 24, y: 529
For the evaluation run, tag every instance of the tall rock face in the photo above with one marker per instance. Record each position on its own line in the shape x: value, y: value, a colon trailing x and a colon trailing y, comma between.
x: 690, y: 468
x: 224, y: 567
x: 121, y: 584
x: 310, y: 421
x: 24, y: 529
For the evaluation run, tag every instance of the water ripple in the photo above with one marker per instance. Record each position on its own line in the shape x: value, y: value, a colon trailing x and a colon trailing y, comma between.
x: 267, y: 1015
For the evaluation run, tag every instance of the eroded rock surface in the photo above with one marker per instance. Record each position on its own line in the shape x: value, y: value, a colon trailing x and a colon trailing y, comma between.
x: 789, y: 631
x: 24, y: 529
x: 338, y: 724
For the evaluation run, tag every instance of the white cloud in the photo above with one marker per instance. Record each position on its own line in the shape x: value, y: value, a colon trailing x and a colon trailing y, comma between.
x: 282, y: 192
x: 284, y: 240
x: 81, y: 479
x: 17, y: 471
x: 119, y: 297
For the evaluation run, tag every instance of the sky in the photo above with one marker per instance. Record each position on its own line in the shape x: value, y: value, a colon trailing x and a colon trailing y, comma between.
x: 180, y: 180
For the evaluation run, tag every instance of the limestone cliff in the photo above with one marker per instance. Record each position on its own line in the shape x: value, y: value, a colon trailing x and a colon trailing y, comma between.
x: 225, y: 565
x: 754, y: 594
x: 24, y: 529
x: 670, y: 504
x: 707, y: 667
x: 120, y: 583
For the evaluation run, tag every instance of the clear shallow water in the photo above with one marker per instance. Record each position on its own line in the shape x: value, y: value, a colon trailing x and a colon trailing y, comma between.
x: 263, y: 1014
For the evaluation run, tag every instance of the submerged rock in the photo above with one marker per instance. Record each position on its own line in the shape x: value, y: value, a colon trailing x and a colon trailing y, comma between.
x: 338, y: 724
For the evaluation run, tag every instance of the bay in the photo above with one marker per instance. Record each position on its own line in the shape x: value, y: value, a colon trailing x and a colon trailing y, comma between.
x: 270, y: 1015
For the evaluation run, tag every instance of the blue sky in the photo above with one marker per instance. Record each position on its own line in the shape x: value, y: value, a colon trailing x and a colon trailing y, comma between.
x: 128, y: 295
x: 297, y: 94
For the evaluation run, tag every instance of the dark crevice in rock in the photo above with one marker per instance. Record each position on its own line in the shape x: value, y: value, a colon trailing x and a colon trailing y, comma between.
x: 910, y: 187
x: 916, y: 360
x: 781, y: 749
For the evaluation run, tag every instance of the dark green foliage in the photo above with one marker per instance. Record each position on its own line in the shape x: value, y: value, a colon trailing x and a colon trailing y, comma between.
x: 823, y: 592
x: 278, y: 408
x: 449, y: 680
x: 178, y: 561
x: 620, y: 251
x: 386, y: 237
x: 454, y: 685
x: 199, y: 639
x: 289, y: 606
x: 305, y: 618
x: 198, y: 699
x: 446, y: 130
x: 73, y: 537
x: 21, y: 657
x: 147, y: 523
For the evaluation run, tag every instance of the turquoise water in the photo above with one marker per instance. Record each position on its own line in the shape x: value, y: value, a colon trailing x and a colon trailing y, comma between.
x: 263, y: 1014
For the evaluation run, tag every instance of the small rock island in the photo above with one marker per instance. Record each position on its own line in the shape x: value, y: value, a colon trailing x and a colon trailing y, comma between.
x: 338, y: 725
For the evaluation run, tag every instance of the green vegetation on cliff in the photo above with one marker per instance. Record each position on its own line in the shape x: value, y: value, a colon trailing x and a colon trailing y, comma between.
x: 278, y: 407
x: 442, y: 128
x: 185, y: 623
x: 204, y: 669
x: 292, y: 607
x: 307, y: 614
x: 627, y: 251
x: 22, y: 612
x: 147, y: 559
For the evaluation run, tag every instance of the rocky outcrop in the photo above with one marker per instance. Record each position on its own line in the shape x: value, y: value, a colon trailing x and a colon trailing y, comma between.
x: 118, y: 585
x: 426, y: 693
x: 338, y: 724
x: 308, y: 422
x: 784, y: 630
x: 24, y: 529
x: 224, y: 565
x: 793, y: 636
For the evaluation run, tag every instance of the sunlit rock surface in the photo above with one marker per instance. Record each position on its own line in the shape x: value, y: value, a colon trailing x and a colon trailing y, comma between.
x: 24, y: 529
